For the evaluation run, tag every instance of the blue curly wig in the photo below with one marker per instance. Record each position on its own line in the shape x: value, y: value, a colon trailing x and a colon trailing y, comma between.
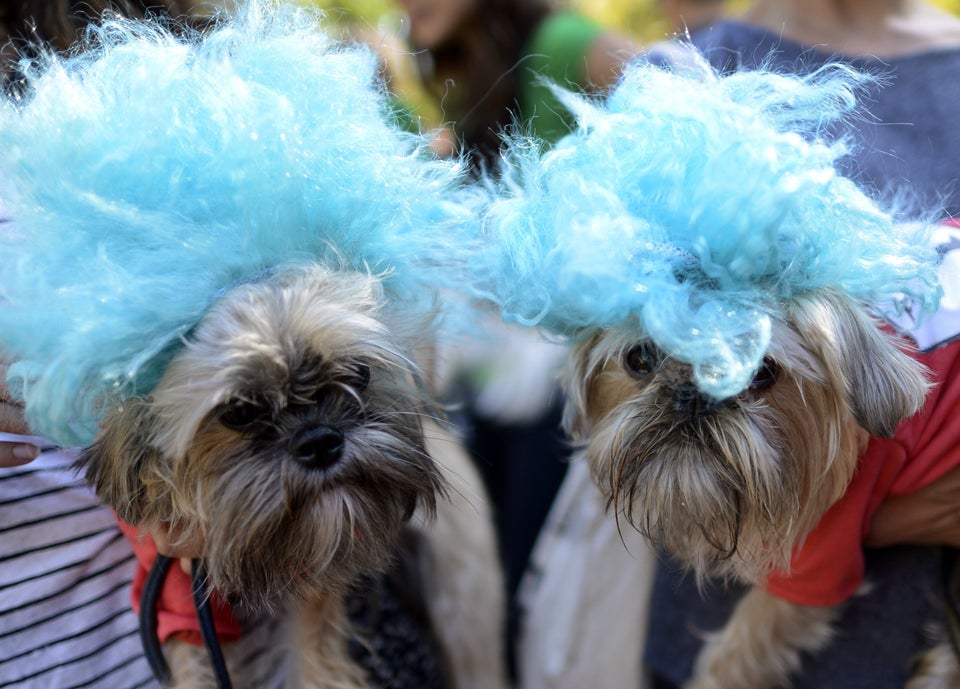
x: 150, y: 172
x: 687, y: 207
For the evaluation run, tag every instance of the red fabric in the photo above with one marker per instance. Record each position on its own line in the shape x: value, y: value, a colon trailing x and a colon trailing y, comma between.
x: 176, y: 615
x: 829, y: 566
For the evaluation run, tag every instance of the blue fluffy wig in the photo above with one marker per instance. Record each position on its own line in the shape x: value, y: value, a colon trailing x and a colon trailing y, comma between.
x: 149, y: 173
x: 687, y: 207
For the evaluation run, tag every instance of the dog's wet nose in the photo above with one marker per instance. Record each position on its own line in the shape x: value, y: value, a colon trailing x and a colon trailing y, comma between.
x: 687, y: 397
x: 318, y: 448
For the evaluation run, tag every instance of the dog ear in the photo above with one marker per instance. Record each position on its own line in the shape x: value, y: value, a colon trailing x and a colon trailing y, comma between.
x: 115, y: 463
x: 882, y: 384
x: 578, y: 381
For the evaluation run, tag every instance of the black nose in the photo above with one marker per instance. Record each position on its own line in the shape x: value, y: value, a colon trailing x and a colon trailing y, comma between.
x: 687, y: 397
x: 318, y: 448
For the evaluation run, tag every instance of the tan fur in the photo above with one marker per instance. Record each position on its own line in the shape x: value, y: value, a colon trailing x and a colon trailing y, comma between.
x: 192, y: 666
x: 290, y: 441
x: 937, y: 668
x: 730, y: 487
x: 322, y: 662
x: 775, y: 631
x: 467, y: 594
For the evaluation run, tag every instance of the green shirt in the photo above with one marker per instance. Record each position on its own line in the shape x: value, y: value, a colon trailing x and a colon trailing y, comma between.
x: 556, y: 53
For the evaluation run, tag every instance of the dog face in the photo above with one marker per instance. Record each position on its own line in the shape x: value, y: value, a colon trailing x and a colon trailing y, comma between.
x: 730, y: 486
x: 284, y: 442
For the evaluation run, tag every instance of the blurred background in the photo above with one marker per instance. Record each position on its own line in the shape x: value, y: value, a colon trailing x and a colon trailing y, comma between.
x: 641, y: 18
x: 379, y: 23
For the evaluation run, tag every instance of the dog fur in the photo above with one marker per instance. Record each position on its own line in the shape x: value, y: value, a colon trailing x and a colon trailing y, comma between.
x: 290, y: 442
x: 731, y: 487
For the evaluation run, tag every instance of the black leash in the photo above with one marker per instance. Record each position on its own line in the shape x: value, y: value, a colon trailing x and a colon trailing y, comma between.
x: 148, y: 622
x: 201, y: 601
x: 148, y: 619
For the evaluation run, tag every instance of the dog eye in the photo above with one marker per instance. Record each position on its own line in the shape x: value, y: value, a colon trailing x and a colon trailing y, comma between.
x: 765, y: 377
x: 239, y: 414
x: 360, y: 376
x: 642, y: 359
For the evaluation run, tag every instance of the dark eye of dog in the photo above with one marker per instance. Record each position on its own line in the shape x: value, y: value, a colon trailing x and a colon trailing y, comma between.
x: 361, y: 376
x: 642, y: 359
x: 239, y: 414
x: 765, y: 377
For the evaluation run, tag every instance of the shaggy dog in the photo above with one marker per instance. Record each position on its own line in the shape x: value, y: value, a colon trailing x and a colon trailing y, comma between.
x: 730, y: 384
x: 227, y: 264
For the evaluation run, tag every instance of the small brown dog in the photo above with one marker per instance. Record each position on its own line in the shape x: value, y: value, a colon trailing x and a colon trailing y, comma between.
x: 244, y: 251
x: 721, y: 282
x: 289, y: 444
x: 733, y: 487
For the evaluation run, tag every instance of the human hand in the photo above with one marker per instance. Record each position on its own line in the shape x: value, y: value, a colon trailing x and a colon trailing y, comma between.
x: 12, y: 452
x: 929, y: 516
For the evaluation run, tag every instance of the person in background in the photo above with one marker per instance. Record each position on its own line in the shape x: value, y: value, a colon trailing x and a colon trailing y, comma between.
x: 489, y: 64
x: 485, y: 60
x: 58, y: 24
x: 905, y: 149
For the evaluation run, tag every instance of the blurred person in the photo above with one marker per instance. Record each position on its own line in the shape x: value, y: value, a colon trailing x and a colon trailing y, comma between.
x: 489, y: 65
x: 485, y: 61
x: 904, y: 150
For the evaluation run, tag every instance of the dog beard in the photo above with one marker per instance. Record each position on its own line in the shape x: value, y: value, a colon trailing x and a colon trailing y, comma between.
x: 729, y: 487
x: 284, y: 442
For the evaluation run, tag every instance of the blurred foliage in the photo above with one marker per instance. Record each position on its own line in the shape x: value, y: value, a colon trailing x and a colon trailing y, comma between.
x: 640, y: 18
x: 355, y: 10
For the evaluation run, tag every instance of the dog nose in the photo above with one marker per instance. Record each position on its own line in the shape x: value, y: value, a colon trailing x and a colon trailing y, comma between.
x: 318, y: 448
x: 688, y: 398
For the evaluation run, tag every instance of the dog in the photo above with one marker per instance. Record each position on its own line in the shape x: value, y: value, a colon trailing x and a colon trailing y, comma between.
x: 730, y: 488
x: 730, y: 386
x: 244, y: 253
x: 290, y: 443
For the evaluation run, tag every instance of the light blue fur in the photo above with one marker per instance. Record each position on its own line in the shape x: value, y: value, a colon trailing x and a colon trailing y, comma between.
x: 686, y: 208
x: 149, y: 174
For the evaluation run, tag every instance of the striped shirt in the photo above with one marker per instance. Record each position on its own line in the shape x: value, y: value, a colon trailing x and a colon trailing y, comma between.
x: 65, y: 573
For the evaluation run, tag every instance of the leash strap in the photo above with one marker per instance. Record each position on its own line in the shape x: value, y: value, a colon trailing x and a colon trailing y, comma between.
x: 149, y: 600
x: 201, y: 600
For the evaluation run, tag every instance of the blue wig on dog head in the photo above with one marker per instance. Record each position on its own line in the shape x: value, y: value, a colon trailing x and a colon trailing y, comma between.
x: 687, y: 207
x: 149, y: 173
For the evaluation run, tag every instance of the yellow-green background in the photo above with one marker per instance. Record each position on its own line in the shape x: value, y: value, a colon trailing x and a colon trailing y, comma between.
x: 640, y: 18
